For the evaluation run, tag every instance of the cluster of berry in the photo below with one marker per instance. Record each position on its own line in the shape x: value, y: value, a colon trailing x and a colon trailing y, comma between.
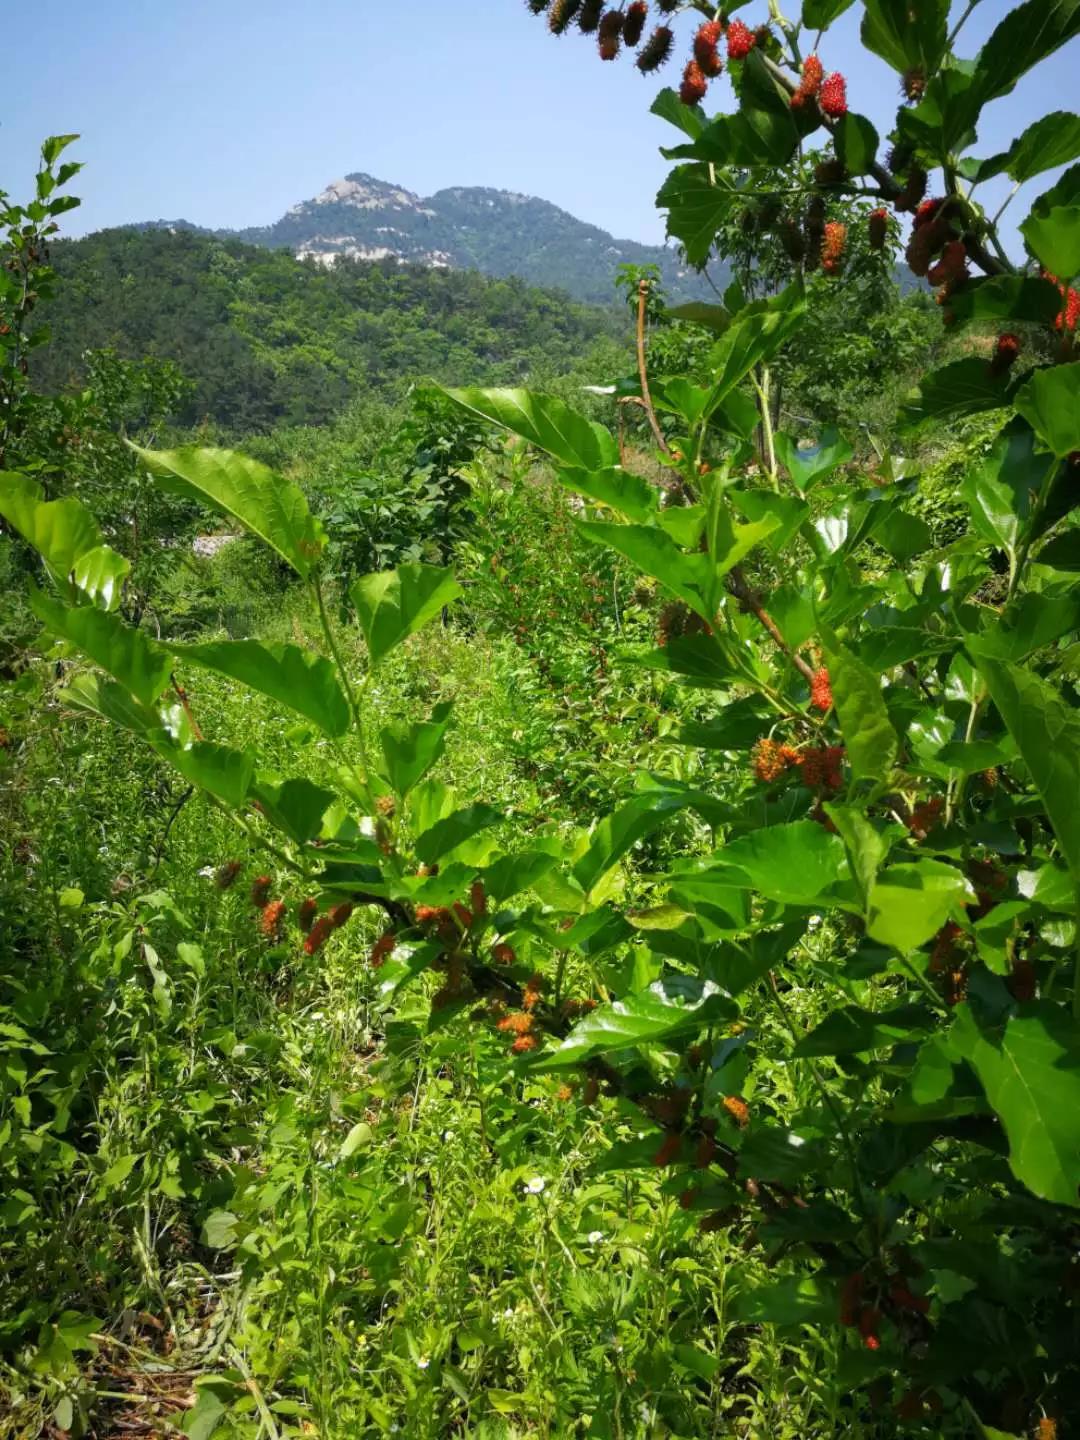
x: 819, y: 766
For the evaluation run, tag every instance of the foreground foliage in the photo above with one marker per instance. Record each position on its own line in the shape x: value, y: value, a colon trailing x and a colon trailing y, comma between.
x: 824, y: 990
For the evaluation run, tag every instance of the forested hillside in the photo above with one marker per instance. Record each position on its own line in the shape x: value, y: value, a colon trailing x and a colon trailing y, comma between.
x: 266, y: 338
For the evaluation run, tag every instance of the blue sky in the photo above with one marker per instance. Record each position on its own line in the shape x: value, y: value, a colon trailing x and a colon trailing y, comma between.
x: 225, y: 112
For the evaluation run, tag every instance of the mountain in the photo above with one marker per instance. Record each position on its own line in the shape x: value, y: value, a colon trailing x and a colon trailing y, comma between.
x: 495, y: 231
x: 267, y: 339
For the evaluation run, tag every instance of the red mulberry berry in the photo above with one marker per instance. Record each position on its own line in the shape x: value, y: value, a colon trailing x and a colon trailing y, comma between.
x: 1070, y: 316
x: 878, y: 227
x: 694, y: 85
x: 1005, y: 352
x: 740, y: 40
x: 225, y: 875
x: 524, y: 1043
x: 318, y: 934
x: 477, y: 898
x: 768, y: 759
x: 503, y: 954
x: 821, y: 697
x: 706, y: 52
x: 340, y: 914
x: 517, y: 1023
x: 810, y: 83
x: 656, y: 50
x: 833, y: 246
x: 260, y: 890
x: 634, y: 23
x: 705, y: 1152
x: 925, y: 817
x: 738, y: 1110
x: 305, y: 915
x: 382, y: 949
x: 464, y: 915
x: 272, y: 916
x: 834, y: 96
x: 534, y: 988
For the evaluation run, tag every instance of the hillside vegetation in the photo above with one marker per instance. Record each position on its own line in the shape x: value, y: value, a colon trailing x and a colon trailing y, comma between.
x: 266, y: 338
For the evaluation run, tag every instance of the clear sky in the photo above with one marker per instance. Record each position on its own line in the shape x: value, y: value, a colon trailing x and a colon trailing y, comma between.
x: 226, y: 112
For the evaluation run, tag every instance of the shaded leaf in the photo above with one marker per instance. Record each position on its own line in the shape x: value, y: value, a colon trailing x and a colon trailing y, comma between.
x: 1030, y: 1071
x: 1047, y: 734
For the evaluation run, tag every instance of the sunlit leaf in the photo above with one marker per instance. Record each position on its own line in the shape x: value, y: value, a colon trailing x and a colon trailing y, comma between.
x: 299, y: 679
x: 393, y: 604
x: 270, y: 507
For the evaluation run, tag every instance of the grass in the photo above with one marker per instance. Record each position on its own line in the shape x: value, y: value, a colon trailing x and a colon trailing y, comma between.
x: 247, y: 1198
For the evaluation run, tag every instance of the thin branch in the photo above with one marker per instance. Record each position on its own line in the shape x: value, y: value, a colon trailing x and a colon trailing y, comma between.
x: 750, y: 600
x: 643, y: 374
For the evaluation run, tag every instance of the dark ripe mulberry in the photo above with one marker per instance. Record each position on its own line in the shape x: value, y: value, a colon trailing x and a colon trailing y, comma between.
x: 340, y: 914
x: 1004, y: 358
x: 694, y: 84
x: 669, y: 1150
x: 537, y: 7
x: 634, y: 23
x: 899, y: 159
x: 952, y: 269
x: 791, y: 238
x: 225, y: 875
x: 260, y: 890
x: 913, y: 192
x: 913, y: 84
x: 589, y: 16
x: 878, y: 228
x: 561, y: 14
x: 677, y: 620
x: 318, y: 934
x: 656, y: 50
x: 830, y: 172
x: 609, y: 37
x: 306, y: 914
